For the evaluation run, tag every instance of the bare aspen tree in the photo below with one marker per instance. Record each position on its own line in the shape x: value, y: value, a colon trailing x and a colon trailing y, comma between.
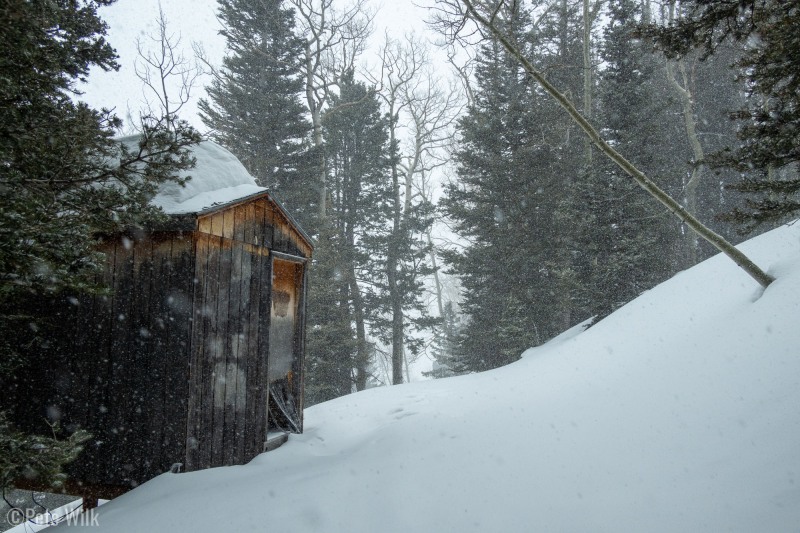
x: 683, y: 88
x: 464, y: 72
x: 433, y: 107
x: 334, y: 40
x: 400, y: 66
x: 422, y: 111
x: 454, y: 17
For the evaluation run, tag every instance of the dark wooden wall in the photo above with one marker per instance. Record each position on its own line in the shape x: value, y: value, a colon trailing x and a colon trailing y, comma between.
x: 227, y: 417
x: 117, y: 365
x: 145, y: 359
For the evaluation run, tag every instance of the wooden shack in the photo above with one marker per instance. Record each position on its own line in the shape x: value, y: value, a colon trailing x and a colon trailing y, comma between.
x: 192, y: 358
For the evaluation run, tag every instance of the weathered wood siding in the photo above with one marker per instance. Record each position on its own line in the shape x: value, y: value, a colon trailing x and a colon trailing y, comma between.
x: 141, y: 427
x: 117, y: 364
x: 227, y: 412
x: 172, y: 365
x: 258, y: 223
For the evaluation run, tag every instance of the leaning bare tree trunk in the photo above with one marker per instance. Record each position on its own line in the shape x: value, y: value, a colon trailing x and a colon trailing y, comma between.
x: 716, y: 240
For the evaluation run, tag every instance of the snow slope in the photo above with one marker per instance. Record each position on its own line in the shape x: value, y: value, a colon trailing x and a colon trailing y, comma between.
x: 679, y: 412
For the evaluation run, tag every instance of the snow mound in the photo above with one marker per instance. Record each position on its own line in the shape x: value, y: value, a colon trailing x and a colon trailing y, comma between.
x: 679, y: 412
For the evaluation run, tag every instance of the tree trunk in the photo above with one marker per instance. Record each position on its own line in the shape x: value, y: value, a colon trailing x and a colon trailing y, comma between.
x: 315, y: 111
x: 690, y: 125
x: 587, y: 76
x: 392, y: 264
x: 362, y: 350
x: 436, y: 281
x: 356, y: 303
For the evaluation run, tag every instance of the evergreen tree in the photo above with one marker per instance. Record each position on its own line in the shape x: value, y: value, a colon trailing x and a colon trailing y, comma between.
x: 516, y: 167
x: 331, y: 341
x: 357, y: 154
x: 622, y: 241
x: 642, y: 114
x: 254, y: 106
x: 63, y: 181
x: 401, y: 311
x: 771, y: 68
x: 445, y: 344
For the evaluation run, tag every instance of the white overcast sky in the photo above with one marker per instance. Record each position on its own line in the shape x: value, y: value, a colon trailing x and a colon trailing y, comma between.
x: 196, y: 21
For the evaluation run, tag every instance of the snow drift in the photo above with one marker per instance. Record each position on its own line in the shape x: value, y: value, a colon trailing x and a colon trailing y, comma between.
x: 679, y: 412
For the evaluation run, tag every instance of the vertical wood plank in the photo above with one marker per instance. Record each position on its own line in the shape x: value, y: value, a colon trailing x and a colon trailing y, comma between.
x: 139, y: 427
x: 239, y: 222
x: 213, y: 349
x: 145, y: 371
x: 243, y: 356
x: 264, y: 299
x: 180, y: 307
x: 249, y: 233
x: 268, y: 226
x: 280, y: 240
x: 177, y: 361
x: 222, y: 348
x: 204, y: 224
x: 254, y: 436
x: 102, y: 329
x: 121, y: 398
x: 232, y: 369
x: 78, y: 315
x: 228, y: 223
x: 216, y: 224
x: 196, y: 399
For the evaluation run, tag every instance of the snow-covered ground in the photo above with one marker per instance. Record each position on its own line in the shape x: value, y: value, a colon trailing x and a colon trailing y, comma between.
x: 679, y: 412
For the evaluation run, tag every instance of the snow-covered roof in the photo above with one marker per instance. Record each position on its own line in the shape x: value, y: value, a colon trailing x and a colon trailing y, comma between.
x: 218, y: 178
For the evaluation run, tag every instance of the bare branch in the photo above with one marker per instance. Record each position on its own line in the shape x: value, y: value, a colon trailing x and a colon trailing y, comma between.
x: 334, y: 39
x: 156, y: 67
